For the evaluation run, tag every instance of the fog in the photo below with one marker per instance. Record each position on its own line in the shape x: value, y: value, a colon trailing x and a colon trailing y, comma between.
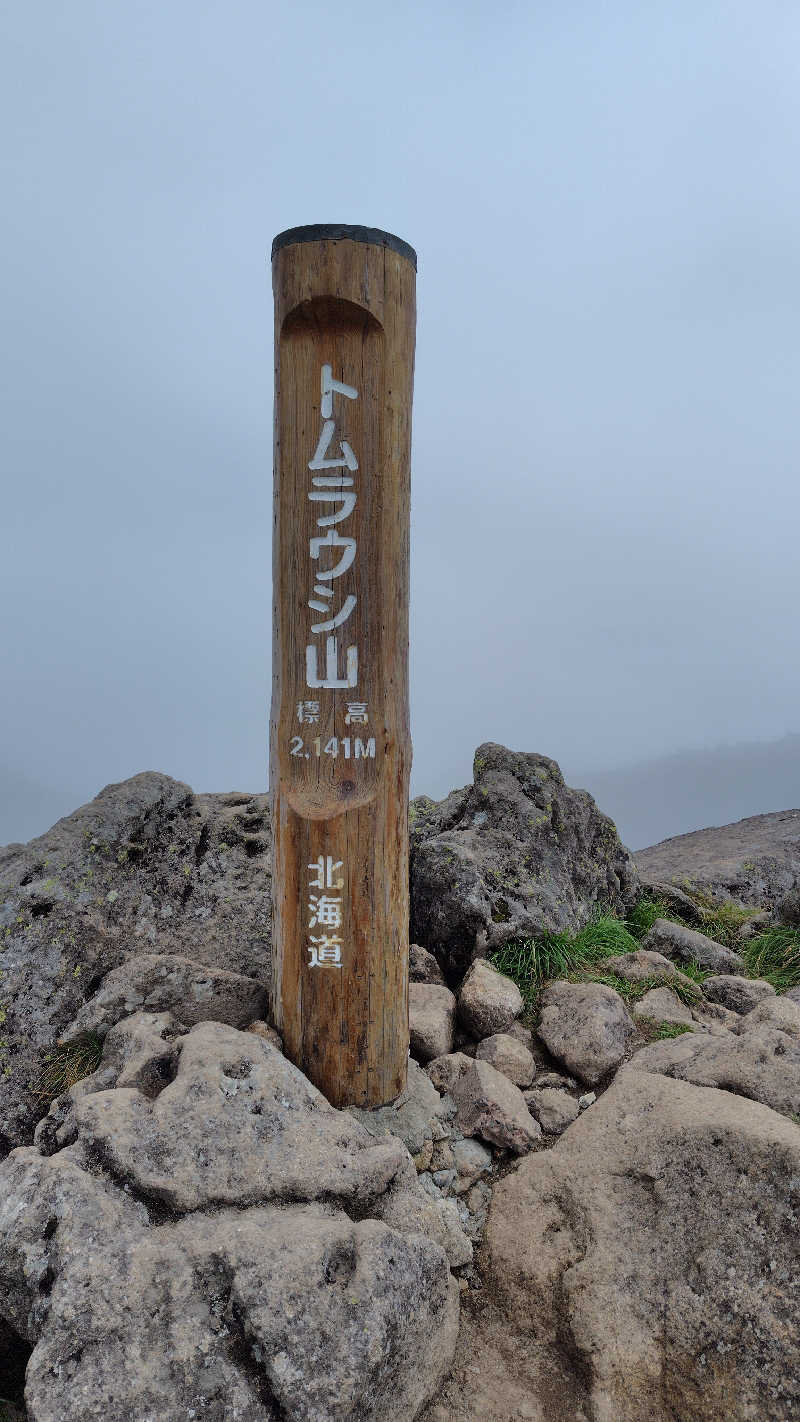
x: 605, y: 203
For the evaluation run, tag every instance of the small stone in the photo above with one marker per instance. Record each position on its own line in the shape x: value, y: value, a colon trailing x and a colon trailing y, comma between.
x: 553, y: 1109
x: 488, y: 1002
x: 431, y: 1013
x: 429, y: 1185
x: 490, y: 1106
x: 442, y: 1156
x: 588, y: 1099
x: 585, y: 1026
x: 445, y: 1071
x: 423, y: 967
x: 423, y: 1159
x: 555, y: 1079
x: 267, y: 1033
x: 737, y: 994
x: 661, y: 1005
x: 444, y: 1178
x: 472, y: 1160
x: 688, y: 946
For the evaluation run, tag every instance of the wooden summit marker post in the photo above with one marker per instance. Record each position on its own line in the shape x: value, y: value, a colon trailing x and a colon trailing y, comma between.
x: 340, y: 750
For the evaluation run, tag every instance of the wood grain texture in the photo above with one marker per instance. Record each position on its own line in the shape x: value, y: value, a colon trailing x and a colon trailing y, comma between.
x: 350, y: 305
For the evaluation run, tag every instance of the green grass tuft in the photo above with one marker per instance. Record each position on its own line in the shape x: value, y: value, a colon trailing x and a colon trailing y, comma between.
x: 632, y: 991
x: 644, y: 914
x: 775, y: 956
x: 66, y: 1065
x: 661, y: 1031
x: 561, y: 955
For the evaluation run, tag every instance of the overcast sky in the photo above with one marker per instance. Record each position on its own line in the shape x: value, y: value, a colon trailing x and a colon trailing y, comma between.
x: 605, y: 201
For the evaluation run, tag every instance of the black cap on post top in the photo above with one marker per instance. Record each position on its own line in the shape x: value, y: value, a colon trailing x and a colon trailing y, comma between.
x: 343, y: 232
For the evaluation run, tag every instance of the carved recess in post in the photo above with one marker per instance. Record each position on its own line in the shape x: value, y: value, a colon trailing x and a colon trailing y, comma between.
x: 340, y: 747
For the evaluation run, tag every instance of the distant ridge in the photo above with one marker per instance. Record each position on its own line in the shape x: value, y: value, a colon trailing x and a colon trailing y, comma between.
x: 656, y: 799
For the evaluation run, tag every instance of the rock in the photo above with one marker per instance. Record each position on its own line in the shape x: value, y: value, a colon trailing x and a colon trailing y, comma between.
x: 788, y: 911
x: 554, y: 1079
x: 490, y: 1106
x: 432, y: 1012
x: 688, y: 946
x: 423, y: 967
x: 586, y: 1027
x: 735, y: 993
x: 779, y: 1012
x: 238, y: 1125
x: 506, y: 1054
x: 644, y: 964
x: 488, y: 1001
x: 516, y: 855
x: 445, y: 1071
x: 793, y: 994
x: 145, y: 867
x: 588, y: 1099
x: 472, y: 1161
x: 662, y: 1005
x: 714, y: 1018
x: 641, y: 1270
x: 762, y: 1063
x: 415, y: 1117
x: 164, y: 982
x: 442, y: 1157
x: 252, y: 1313
x: 674, y: 898
x: 521, y: 1034
x: 269, y: 1034
x: 754, y: 862
x: 553, y: 1109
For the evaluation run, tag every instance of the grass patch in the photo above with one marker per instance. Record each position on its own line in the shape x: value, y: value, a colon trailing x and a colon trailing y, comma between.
x: 661, y: 1031
x: 775, y: 956
x: 561, y: 955
x: 644, y: 914
x: 66, y: 1065
x: 721, y: 921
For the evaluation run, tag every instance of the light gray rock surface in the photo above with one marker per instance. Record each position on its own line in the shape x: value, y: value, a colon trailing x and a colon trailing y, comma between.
x: 782, y: 1012
x: 490, y: 1106
x: 472, y: 1161
x: 488, y: 1001
x: 431, y: 1015
x: 417, y: 1116
x: 509, y: 1056
x: 644, y: 1269
x: 228, y: 1243
x: 586, y: 1027
x: 515, y: 855
x: 686, y: 945
x: 762, y: 1062
x: 165, y: 982
x: 146, y: 867
x: 755, y: 862
x: 735, y: 993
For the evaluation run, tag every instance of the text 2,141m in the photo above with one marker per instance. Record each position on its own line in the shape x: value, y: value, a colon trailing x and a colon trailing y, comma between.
x: 350, y: 747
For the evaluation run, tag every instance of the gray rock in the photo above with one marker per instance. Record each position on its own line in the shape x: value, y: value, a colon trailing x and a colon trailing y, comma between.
x: 586, y: 1027
x: 145, y: 867
x: 521, y: 1034
x: 490, y: 1106
x: 554, y: 1079
x: 754, y: 862
x: 509, y: 1056
x: 431, y: 1014
x: 238, y: 1125
x: 788, y: 911
x: 673, y: 1211
x: 423, y: 967
x: 164, y: 982
x: 515, y: 855
x: 675, y: 899
x: 644, y: 963
x: 762, y: 1063
x: 445, y: 1071
x: 662, y: 1005
x: 553, y: 1109
x: 735, y: 993
x: 779, y: 1012
x: 688, y: 946
x: 472, y: 1161
x: 712, y: 1017
x: 257, y: 1314
x: 588, y: 1099
x: 488, y: 1001
x: 793, y: 994
x: 417, y: 1116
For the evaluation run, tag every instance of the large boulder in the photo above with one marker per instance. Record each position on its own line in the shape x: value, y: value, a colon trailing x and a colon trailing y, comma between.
x: 488, y: 1001
x: 755, y: 862
x: 147, y: 867
x: 586, y: 1027
x: 644, y: 1269
x: 228, y: 1245
x: 515, y: 855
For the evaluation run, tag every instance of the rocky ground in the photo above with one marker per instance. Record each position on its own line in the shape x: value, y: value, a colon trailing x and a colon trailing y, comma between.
x: 583, y: 1208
